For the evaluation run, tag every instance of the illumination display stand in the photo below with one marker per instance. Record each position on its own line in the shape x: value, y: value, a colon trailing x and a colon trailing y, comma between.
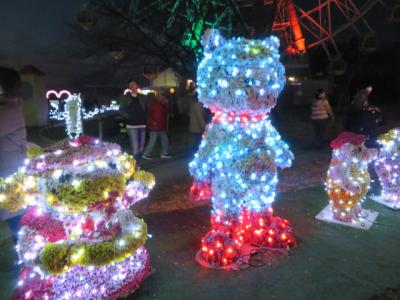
x: 236, y: 164
x: 348, y: 182
x: 79, y: 239
x: 74, y: 113
x: 387, y: 167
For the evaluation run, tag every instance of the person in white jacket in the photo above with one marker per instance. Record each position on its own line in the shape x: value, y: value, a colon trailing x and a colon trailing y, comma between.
x: 12, y: 135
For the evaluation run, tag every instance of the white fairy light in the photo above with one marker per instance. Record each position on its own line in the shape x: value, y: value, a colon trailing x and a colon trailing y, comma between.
x: 73, y: 114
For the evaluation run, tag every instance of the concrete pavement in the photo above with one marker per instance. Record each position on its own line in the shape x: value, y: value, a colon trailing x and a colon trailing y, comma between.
x: 330, y: 262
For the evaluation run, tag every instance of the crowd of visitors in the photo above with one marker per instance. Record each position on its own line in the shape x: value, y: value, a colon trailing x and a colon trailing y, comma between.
x: 151, y: 113
x: 141, y: 113
x: 359, y: 117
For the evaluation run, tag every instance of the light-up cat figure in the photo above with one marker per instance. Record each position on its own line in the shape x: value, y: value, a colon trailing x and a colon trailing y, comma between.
x: 236, y: 165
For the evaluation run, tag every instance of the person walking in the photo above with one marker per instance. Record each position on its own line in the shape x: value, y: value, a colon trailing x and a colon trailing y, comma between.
x: 197, y: 122
x: 12, y: 135
x: 364, y: 118
x: 135, y: 119
x: 157, y: 124
x: 321, y: 111
x: 356, y: 109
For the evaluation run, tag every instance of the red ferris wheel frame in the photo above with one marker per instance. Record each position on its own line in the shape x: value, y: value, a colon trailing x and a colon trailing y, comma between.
x: 318, y: 26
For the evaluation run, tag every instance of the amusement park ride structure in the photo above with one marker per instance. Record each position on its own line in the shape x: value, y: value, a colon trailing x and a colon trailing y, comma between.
x: 299, y: 27
x: 319, y: 26
x: 321, y: 23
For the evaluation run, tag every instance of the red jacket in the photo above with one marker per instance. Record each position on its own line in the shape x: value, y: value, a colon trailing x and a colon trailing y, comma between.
x: 158, y: 116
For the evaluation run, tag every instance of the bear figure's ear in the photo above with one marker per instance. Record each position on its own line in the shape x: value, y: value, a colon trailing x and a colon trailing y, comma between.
x: 212, y: 39
x: 272, y: 41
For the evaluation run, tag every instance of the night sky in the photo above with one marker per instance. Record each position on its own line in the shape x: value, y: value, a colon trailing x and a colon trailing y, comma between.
x: 37, y: 32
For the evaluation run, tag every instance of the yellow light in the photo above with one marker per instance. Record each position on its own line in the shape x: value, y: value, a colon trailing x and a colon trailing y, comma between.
x: 172, y: 90
x: 76, y: 256
x: 51, y: 199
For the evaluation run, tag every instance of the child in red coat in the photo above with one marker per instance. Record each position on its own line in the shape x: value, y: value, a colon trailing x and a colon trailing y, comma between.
x: 157, y: 124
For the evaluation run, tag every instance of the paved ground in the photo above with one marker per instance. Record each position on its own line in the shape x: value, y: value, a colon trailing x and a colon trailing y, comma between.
x: 331, y: 261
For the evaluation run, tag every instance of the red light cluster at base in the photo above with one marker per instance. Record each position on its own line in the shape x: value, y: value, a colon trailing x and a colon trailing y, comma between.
x: 223, y: 244
x: 200, y: 191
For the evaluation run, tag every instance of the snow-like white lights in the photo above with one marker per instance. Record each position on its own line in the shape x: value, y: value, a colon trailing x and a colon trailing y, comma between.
x: 224, y: 158
x: 387, y: 166
x: 57, y: 173
x: 223, y: 83
x: 76, y: 183
x: 237, y: 70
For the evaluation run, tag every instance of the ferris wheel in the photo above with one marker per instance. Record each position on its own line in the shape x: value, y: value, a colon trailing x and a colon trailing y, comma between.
x: 320, y: 24
x: 300, y: 27
x: 182, y: 19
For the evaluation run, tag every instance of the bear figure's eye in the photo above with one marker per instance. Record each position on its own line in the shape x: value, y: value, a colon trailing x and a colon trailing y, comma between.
x: 249, y: 82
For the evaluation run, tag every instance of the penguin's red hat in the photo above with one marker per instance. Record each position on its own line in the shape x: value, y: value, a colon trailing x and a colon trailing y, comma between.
x: 347, y: 137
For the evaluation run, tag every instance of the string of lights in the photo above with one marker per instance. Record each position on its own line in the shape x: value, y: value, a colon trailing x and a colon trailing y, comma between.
x: 73, y: 114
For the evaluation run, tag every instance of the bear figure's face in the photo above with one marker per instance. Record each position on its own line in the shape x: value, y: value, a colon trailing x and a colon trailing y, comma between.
x: 240, y: 75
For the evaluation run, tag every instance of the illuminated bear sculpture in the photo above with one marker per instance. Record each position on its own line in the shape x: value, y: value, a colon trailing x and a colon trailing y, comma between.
x: 236, y: 165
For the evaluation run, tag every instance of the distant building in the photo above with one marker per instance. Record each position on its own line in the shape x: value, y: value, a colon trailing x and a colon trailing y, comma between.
x: 165, y: 79
x: 301, y: 84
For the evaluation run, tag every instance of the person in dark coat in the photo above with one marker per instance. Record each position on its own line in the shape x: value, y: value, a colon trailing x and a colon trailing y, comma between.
x: 356, y: 109
x: 157, y: 124
x: 371, y: 120
x: 12, y: 135
x: 135, y: 119
x: 197, y: 122
x: 364, y: 118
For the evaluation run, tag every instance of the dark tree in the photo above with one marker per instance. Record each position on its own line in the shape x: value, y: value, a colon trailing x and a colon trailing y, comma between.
x: 152, y: 34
